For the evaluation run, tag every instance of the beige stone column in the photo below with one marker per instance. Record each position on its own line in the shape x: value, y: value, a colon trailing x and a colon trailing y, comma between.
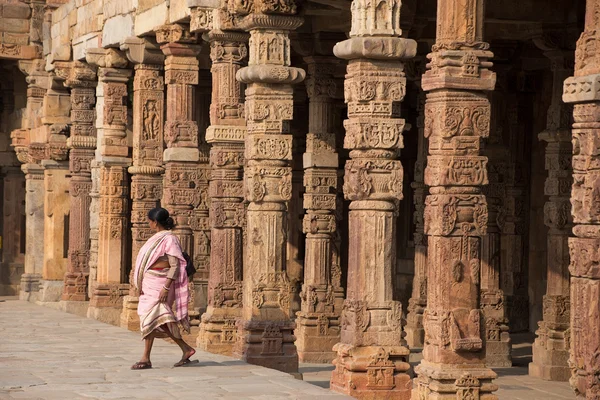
x: 34, y: 228
x: 581, y: 91
x: 457, y: 117
x: 112, y: 156
x: 372, y: 355
x: 181, y: 155
x: 47, y: 119
x: 13, y: 234
x: 82, y: 144
x: 146, y: 171
x: 551, y: 347
x: 265, y: 331
x: 56, y: 228
x: 318, y: 322
x: 415, y: 333
x: 226, y: 134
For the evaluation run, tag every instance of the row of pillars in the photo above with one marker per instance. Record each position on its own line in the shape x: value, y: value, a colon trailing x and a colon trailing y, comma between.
x: 247, y: 156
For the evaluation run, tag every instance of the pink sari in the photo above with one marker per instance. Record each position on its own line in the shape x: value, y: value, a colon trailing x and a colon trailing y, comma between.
x: 155, y: 315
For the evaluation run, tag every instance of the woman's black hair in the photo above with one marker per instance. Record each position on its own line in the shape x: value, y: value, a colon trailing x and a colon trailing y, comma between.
x: 161, y: 216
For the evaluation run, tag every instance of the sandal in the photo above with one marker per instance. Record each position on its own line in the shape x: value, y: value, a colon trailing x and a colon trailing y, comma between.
x: 185, y: 361
x: 142, y: 365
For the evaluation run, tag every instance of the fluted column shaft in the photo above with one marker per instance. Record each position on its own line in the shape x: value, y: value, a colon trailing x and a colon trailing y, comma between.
x: 457, y: 117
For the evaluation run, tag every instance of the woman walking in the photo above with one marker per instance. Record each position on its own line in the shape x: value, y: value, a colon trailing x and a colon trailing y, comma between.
x: 161, y: 278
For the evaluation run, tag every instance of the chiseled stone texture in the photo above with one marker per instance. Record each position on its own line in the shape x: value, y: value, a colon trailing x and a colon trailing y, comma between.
x: 62, y: 358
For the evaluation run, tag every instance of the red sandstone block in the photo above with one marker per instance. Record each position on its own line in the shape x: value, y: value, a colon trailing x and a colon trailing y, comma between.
x: 14, y: 25
x: 16, y: 11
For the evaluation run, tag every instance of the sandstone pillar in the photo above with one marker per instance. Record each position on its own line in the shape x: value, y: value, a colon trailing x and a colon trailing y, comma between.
x: 82, y: 144
x: 199, y: 220
x: 415, y: 333
x: 112, y: 156
x: 13, y: 233
x: 514, y: 222
x: 146, y: 171
x: 551, y: 347
x: 265, y: 331
x: 580, y: 90
x: 34, y: 228
x: 318, y: 322
x: 48, y: 117
x: 372, y: 357
x: 56, y: 228
x: 181, y: 156
x: 457, y: 117
x: 226, y: 134
x: 493, y: 301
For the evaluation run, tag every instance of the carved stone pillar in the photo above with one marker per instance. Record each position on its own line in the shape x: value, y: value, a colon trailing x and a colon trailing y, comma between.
x: 318, y: 322
x: 514, y: 223
x: 457, y: 117
x: 180, y: 185
x: 265, y: 331
x: 146, y: 171
x: 415, y: 333
x: 34, y: 226
x: 112, y: 159
x: 56, y: 228
x: 372, y: 357
x: 551, y: 347
x: 82, y: 144
x: 581, y: 91
x: 493, y: 301
x: 13, y: 234
x: 226, y: 134
x: 199, y: 221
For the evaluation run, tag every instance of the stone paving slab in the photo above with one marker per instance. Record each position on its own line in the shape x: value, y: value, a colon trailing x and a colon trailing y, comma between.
x: 47, y: 354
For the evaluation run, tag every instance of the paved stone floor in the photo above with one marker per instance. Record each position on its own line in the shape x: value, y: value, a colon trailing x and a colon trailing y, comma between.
x: 48, y: 354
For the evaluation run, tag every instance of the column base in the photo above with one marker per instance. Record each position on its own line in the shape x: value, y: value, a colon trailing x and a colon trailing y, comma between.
x: 30, y: 287
x: 75, y: 288
x: 75, y: 307
x: 51, y: 291
x: 415, y: 333
x: 415, y: 337
x: 451, y: 382
x: 372, y: 372
x: 316, y: 335
x: 129, y: 317
x: 498, y: 354
x: 218, y: 330
x: 106, y: 304
x: 268, y: 344
x: 550, y: 356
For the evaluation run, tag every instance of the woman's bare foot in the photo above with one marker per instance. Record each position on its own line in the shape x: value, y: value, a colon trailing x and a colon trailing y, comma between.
x: 185, y: 358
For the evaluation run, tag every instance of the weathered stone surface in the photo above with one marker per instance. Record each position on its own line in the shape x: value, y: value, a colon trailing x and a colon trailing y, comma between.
x: 454, y: 353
